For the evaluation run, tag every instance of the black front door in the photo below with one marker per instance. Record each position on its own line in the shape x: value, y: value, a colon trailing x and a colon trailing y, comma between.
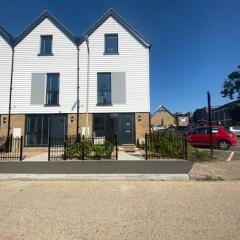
x: 126, y: 129
x: 40, y: 126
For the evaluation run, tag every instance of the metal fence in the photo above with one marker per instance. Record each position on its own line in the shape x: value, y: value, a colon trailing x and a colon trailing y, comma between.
x: 77, y: 147
x: 165, y: 144
x: 11, y: 148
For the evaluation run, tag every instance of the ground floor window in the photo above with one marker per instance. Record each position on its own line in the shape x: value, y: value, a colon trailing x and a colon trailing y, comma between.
x: 109, y: 124
x: 40, y: 126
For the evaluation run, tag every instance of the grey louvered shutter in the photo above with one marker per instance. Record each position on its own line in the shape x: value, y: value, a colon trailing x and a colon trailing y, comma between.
x: 38, y: 87
x: 118, y: 86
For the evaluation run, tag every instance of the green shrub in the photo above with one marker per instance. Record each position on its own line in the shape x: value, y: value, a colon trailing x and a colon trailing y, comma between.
x: 99, y: 151
x: 108, y: 147
x: 167, y: 144
x: 198, y: 156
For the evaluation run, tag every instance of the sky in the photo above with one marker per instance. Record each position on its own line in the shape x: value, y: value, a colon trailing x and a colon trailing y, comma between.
x: 195, y: 43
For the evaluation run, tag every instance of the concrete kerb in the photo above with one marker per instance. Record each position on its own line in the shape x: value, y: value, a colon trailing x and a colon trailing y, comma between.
x: 97, y: 177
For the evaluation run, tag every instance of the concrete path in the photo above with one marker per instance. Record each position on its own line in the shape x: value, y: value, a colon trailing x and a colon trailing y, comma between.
x: 129, y: 156
x: 43, y: 157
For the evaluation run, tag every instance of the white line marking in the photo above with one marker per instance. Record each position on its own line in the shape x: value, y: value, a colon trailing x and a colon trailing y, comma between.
x: 230, y: 157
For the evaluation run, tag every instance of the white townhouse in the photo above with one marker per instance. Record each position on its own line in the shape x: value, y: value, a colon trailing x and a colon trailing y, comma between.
x: 97, y: 84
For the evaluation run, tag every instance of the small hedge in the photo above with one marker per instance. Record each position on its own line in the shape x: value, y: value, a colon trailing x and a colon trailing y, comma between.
x: 85, y: 148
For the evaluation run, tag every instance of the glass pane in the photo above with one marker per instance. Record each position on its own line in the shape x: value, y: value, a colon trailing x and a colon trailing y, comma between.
x: 52, y: 88
x: 111, y: 43
x: 99, y: 125
x: 46, y: 44
x: 104, y: 88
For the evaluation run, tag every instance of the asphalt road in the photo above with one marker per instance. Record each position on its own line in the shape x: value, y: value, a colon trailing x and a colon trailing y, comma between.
x: 119, y: 210
x: 98, y: 167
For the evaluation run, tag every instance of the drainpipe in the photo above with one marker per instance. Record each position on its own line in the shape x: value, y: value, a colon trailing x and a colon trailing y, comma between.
x: 10, y: 96
x: 77, y: 133
x: 88, y: 69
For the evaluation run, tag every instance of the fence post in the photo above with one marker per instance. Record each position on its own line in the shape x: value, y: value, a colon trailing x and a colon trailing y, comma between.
x: 186, y: 147
x: 116, y: 145
x: 146, y: 146
x: 11, y: 141
x: 65, y: 148
x: 83, y: 150
x: 49, y: 147
x: 21, y: 148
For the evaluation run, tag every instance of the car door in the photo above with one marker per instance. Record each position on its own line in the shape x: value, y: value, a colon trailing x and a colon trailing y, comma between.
x: 199, y: 137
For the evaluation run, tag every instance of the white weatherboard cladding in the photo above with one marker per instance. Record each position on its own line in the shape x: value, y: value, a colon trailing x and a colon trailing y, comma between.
x: 133, y: 59
x: 27, y: 61
x: 5, y: 74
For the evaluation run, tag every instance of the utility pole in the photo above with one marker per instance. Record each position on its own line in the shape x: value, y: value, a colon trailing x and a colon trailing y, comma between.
x: 210, y: 122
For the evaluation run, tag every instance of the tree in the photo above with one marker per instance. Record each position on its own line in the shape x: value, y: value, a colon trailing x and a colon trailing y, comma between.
x: 235, y: 113
x: 231, y: 86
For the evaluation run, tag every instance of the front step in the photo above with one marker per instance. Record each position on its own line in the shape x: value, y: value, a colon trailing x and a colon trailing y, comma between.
x: 127, y: 148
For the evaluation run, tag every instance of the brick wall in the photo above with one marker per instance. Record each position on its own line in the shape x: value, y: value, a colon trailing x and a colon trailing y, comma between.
x: 142, y: 126
x: 17, y: 121
x: 72, y: 123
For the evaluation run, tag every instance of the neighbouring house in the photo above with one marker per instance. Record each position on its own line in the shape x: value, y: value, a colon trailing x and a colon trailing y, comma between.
x: 107, y: 69
x: 162, y: 118
x: 220, y: 114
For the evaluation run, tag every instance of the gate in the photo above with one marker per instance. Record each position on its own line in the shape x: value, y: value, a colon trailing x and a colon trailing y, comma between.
x: 11, y: 148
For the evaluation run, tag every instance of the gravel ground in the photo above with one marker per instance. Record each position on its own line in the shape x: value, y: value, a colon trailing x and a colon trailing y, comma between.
x: 119, y: 210
x: 223, y: 169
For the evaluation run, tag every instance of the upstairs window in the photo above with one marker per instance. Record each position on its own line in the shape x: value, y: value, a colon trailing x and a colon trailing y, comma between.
x: 52, y: 95
x: 104, y: 89
x: 46, y: 45
x: 111, y: 44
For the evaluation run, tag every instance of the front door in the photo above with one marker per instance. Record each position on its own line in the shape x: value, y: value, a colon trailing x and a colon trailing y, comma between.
x: 126, y: 129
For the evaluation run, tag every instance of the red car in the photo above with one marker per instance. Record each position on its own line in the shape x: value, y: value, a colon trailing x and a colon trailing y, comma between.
x: 221, y: 137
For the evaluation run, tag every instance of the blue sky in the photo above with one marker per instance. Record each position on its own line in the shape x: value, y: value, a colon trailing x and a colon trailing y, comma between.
x: 195, y: 43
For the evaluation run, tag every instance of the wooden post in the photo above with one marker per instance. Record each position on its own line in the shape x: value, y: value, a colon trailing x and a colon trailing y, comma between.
x: 210, y: 122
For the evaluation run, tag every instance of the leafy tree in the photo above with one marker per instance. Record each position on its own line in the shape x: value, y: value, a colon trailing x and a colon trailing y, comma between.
x: 231, y: 86
x: 235, y: 113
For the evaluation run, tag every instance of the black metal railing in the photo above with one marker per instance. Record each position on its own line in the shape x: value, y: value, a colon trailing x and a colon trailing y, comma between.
x: 77, y: 147
x: 165, y: 144
x: 11, y: 148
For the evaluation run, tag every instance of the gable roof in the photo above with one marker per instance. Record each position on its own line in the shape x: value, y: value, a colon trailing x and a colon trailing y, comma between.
x: 162, y: 108
x: 6, y: 36
x: 121, y: 21
x: 38, y: 20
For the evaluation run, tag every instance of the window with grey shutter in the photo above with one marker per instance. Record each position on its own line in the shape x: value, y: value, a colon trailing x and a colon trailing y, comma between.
x: 118, y: 83
x: 38, y: 88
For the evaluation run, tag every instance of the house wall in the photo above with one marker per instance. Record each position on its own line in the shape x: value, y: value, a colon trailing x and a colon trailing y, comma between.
x: 27, y: 61
x: 141, y: 126
x: 5, y: 74
x: 163, y: 117
x: 17, y: 121
x: 133, y: 58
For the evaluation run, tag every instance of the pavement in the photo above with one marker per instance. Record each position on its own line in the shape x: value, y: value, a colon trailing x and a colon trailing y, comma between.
x: 105, y: 210
x: 216, y: 169
x: 88, y: 170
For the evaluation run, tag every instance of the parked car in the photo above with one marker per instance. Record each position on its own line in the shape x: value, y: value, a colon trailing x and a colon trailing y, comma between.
x: 221, y: 138
x: 235, y: 130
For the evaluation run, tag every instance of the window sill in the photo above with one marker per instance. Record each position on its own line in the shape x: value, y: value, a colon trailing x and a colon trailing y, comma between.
x: 45, y: 54
x: 106, y: 53
x: 103, y: 105
x: 51, y: 105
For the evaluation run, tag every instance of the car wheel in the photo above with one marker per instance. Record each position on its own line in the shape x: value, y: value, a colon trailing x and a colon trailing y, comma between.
x: 224, y: 145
